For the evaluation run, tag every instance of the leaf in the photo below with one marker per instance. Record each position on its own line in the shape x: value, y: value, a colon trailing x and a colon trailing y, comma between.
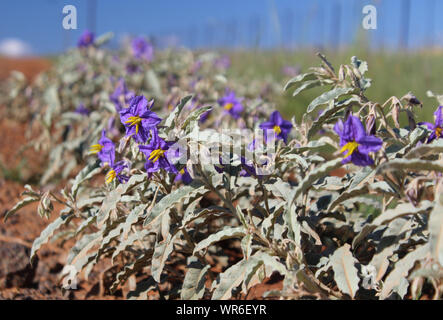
x: 246, y: 246
x: 348, y: 194
x: 299, y: 78
x: 401, y: 270
x: 225, y: 233
x: 423, y: 150
x: 345, y: 272
x: 410, y: 164
x: 19, y: 205
x: 161, y: 254
x: 169, y: 122
x: 85, y: 174
x: 142, y: 288
x: 327, y: 96
x: 129, y: 241
x: 48, y: 232
x: 314, y: 175
x: 194, y: 283
x: 153, y: 83
x: 131, y: 268
x: 307, y: 85
x: 230, y: 279
x: 401, y: 210
x: 195, y: 189
x: 331, y: 111
x: 195, y: 116
x: 435, y: 226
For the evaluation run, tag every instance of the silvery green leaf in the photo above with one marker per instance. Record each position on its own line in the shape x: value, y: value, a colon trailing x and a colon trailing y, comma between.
x: 435, y: 147
x: 195, y: 116
x: 161, y: 253
x: 308, y: 85
x: 299, y: 78
x: 410, y: 164
x: 194, y: 282
x: 124, y: 244
x: 169, y: 122
x: 332, y: 109
x: 22, y: 203
x: 362, y: 66
x: 53, y: 102
x: 104, y: 38
x: 401, y: 270
x: 327, y: 96
x: 195, y: 189
x: 313, y: 176
x: 131, y: 268
x: 86, y: 223
x: 81, y: 244
x: 345, y: 272
x: 85, y: 174
x: 47, y: 233
x: 153, y: 83
x: 435, y: 226
x: 230, y: 279
x: 246, y: 246
x: 402, y: 210
x: 225, y: 233
x: 142, y: 288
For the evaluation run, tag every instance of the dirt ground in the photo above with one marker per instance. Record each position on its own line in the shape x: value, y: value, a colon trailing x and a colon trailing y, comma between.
x: 30, y: 67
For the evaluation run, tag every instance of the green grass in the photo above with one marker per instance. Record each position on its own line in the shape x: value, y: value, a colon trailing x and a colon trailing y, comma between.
x: 391, y: 74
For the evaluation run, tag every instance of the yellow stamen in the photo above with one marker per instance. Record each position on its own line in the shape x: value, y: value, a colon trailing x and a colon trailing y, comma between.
x: 110, y: 176
x: 182, y: 171
x: 156, y: 154
x: 96, y: 148
x: 228, y: 106
x: 350, y: 147
x: 438, y: 131
x: 277, y: 129
x: 134, y: 121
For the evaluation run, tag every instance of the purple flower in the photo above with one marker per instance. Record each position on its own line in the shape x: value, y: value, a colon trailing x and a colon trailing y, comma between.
x: 138, y: 119
x: 290, y: 71
x: 280, y: 126
x: 196, y: 66
x: 223, y: 62
x: 132, y: 68
x: 116, y: 172
x: 121, y: 95
x: 355, y: 142
x: 86, y: 39
x: 231, y: 104
x: 156, y: 153
x: 82, y: 110
x: 104, y: 149
x: 437, y: 127
x: 142, y: 49
x: 248, y: 168
x: 184, y: 176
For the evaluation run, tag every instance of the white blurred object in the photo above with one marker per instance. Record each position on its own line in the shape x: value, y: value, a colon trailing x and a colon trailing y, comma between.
x: 13, y: 47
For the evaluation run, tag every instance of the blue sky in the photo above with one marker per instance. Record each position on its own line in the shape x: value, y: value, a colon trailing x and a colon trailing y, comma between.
x: 206, y: 23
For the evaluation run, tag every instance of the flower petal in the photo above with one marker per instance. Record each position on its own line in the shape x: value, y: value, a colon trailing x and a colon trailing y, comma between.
x: 368, y: 144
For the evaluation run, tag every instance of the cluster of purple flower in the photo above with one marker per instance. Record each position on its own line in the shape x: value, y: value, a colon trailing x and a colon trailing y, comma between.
x: 105, y: 150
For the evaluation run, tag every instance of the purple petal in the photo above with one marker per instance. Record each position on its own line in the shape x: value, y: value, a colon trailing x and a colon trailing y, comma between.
x: 361, y: 159
x: 429, y: 125
x: 369, y: 144
x: 438, y: 117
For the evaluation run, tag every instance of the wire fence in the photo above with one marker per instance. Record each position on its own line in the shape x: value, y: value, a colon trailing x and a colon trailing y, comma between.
x: 401, y: 24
